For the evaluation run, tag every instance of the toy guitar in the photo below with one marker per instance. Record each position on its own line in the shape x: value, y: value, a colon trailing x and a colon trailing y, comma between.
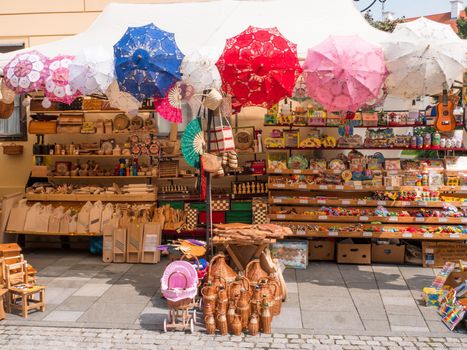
x: 445, y: 122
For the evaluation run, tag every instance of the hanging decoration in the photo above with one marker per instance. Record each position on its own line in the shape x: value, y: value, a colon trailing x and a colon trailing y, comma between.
x: 26, y: 72
x: 57, y: 84
x: 199, y: 70
x: 147, y: 62
x: 259, y: 67
x: 344, y: 72
x: 421, y: 56
x: 92, y: 71
x: 193, y: 143
x: 122, y: 100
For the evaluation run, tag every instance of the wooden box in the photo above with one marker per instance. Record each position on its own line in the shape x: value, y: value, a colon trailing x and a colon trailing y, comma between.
x: 351, y: 253
x: 70, y: 119
x: 42, y: 127
x: 107, y: 243
x: 12, y: 149
x: 92, y: 104
x: 150, y: 254
x: 69, y: 129
x: 321, y: 250
x: 134, y: 240
x: 436, y: 254
x: 119, y: 245
x: 388, y: 253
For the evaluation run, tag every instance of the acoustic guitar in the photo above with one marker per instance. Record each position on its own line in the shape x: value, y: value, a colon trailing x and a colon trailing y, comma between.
x: 445, y: 122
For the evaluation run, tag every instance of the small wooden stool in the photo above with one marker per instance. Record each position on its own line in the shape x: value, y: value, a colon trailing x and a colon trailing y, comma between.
x: 21, y: 293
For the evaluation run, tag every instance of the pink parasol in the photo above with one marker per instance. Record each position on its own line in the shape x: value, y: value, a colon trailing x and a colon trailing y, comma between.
x: 57, y: 84
x: 26, y: 72
x: 344, y: 72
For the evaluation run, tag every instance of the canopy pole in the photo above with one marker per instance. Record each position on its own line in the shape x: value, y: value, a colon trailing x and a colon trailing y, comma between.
x: 209, y: 188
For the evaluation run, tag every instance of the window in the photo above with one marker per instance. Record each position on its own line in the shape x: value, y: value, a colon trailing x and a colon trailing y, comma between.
x: 15, y: 127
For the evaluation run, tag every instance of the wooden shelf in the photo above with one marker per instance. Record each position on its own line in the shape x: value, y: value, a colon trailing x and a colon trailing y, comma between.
x: 90, y: 156
x: 87, y: 111
x: 357, y: 127
x: 330, y: 171
x: 143, y: 197
x: 368, y: 148
x: 87, y: 234
x: 458, y: 189
x: 363, y: 202
x: 358, y: 219
x: 101, y: 177
x: 383, y: 235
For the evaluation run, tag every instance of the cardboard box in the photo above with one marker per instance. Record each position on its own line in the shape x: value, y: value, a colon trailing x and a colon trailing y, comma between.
x: 456, y: 278
x: 351, y: 253
x: 436, y: 254
x: 388, y: 253
x: 321, y: 250
x: 293, y: 254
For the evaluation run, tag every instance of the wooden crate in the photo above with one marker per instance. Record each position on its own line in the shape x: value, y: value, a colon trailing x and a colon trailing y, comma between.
x: 134, y: 242
x: 38, y: 127
x: 151, y: 240
x: 119, y: 245
x: 168, y: 168
x: 107, y: 243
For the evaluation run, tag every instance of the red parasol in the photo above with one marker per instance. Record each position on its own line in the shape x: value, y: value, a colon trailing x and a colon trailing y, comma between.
x: 259, y: 67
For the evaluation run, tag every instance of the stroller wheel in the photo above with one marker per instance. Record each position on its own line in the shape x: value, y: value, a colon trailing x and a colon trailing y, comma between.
x: 165, y: 325
x: 194, y: 317
x: 192, y: 326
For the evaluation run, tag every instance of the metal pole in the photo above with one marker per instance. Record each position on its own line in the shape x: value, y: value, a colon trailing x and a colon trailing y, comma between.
x: 209, y: 188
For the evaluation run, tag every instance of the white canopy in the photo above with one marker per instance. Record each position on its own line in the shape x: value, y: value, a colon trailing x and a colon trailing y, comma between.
x: 209, y: 24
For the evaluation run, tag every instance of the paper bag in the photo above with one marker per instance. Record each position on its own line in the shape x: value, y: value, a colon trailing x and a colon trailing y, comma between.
x: 55, y: 218
x: 17, y: 217
x: 32, y: 216
x: 82, y: 225
x: 106, y: 216
x: 95, y: 217
x: 65, y: 222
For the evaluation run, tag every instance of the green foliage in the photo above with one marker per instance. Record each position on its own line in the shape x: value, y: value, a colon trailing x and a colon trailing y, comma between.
x: 462, y: 26
x: 386, y: 26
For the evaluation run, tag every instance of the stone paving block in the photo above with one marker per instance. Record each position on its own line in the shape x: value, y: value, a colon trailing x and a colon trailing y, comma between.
x: 112, y: 312
x: 56, y: 296
x: 336, y: 321
x: 406, y: 320
x: 68, y: 282
x: 84, y: 266
x: 53, y: 271
x: 92, y: 290
x: 77, y: 303
x: 403, y: 310
x: 438, y: 326
x: 125, y: 293
x: 63, y: 316
x: 414, y: 329
x: 311, y: 289
x: 324, y: 303
x: 290, y: 317
x: 400, y: 301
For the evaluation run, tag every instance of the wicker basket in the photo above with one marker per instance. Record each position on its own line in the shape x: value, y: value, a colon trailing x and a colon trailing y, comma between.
x: 92, y: 104
x: 12, y: 149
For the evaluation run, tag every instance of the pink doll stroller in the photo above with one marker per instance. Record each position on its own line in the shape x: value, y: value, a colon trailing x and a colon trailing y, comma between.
x: 179, y: 285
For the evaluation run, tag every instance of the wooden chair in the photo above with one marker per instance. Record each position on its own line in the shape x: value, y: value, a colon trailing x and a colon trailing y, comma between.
x: 21, y: 293
x: 3, y: 291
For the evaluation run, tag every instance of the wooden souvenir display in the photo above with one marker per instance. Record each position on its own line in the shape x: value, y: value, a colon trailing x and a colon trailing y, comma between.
x: 168, y: 168
x: 119, y: 245
x: 151, y: 240
x: 134, y: 240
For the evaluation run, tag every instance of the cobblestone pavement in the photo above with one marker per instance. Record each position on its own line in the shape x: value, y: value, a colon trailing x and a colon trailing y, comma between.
x: 37, y: 338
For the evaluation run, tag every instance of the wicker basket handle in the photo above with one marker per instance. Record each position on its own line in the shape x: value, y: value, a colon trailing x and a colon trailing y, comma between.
x: 190, y: 256
x: 248, y: 266
x: 211, y: 264
x: 178, y: 273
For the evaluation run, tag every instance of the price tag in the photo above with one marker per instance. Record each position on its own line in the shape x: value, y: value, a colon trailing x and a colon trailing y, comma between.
x: 454, y: 235
x: 443, y: 220
x: 321, y: 201
x: 323, y: 187
x: 358, y: 187
x: 339, y: 187
x: 367, y: 234
x: 276, y: 200
x: 278, y: 171
x: 297, y: 171
x: 333, y: 233
x: 302, y: 186
x: 428, y: 235
x: 279, y: 185
x: 303, y: 201
x: 345, y: 201
x: 390, y: 188
x: 393, y: 218
x: 381, y: 202
x: 280, y: 216
x: 361, y: 202
x: 322, y: 217
x: 301, y: 232
x: 363, y: 218
x: 419, y: 219
x: 407, y: 235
